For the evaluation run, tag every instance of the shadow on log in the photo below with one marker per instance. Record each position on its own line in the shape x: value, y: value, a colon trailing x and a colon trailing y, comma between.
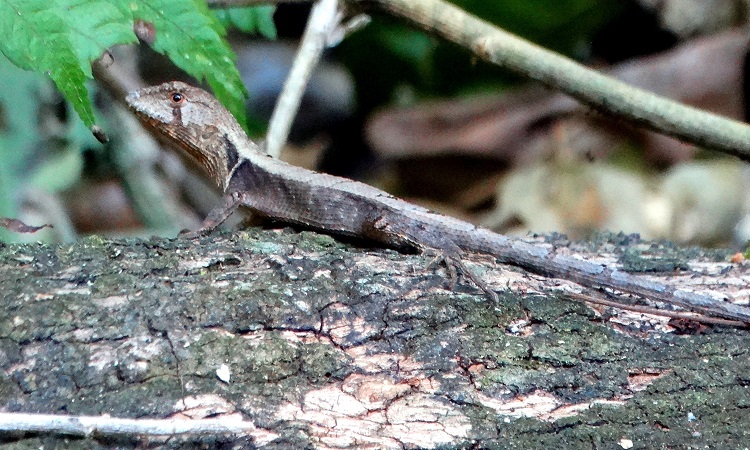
x: 312, y: 343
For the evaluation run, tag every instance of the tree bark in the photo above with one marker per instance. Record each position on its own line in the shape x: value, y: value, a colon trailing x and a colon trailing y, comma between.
x: 326, y: 345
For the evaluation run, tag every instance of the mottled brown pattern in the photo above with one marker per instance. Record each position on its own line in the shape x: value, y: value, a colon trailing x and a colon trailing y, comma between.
x: 338, y: 205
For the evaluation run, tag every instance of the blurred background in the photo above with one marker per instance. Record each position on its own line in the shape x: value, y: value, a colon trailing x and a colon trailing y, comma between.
x: 427, y: 121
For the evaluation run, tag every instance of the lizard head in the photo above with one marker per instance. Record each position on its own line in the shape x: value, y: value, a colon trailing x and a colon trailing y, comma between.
x: 195, y: 123
x: 177, y: 104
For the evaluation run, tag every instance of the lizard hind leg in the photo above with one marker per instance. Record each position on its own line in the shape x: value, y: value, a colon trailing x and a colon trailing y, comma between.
x: 446, y: 251
x: 455, y: 265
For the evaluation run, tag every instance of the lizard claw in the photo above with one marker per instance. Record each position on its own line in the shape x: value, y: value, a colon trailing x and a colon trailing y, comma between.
x: 194, y: 234
x: 453, y: 264
x: 216, y: 217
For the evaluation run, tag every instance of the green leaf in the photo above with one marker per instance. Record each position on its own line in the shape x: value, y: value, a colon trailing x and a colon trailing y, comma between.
x: 257, y: 19
x: 94, y: 26
x: 33, y: 35
x: 61, y: 38
x: 192, y: 37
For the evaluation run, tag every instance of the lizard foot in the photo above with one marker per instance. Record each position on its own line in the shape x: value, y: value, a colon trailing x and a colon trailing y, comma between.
x: 194, y: 234
x: 454, y: 264
x: 217, y: 216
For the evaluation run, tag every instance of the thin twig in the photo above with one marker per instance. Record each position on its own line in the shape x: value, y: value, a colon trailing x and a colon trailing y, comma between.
x: 102, y: 425
x: 324, y: 18
x: 658, y: 312
x: 588, y: 86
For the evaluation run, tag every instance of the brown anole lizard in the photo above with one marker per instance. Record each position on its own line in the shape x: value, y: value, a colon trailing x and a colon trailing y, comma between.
x: 208, y: 135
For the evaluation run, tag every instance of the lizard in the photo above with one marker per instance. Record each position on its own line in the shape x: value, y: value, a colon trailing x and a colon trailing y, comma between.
x: 206, y: 134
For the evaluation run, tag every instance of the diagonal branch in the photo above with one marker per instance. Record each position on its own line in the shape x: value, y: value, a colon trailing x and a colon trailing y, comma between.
x: 324, y: 18
x: 586, y: 85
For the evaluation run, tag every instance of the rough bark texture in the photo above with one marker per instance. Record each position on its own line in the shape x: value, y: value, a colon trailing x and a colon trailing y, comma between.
x: 332, y: 346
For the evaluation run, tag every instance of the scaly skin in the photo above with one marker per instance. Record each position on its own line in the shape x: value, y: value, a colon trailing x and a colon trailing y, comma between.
x: 209, y: 136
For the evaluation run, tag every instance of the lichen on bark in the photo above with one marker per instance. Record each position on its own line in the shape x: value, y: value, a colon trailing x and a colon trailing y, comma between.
x: 332, y: 346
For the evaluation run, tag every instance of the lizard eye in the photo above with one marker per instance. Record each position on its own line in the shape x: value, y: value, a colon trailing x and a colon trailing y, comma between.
x: 177, y: 98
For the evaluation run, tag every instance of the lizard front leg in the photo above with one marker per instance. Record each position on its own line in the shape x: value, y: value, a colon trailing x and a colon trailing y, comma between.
x: 230, y: 202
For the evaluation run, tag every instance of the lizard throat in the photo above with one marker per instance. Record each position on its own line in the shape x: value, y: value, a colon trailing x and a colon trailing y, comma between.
x: 202, y: 146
